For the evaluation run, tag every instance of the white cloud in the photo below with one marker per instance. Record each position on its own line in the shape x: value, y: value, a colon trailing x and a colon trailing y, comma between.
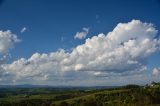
x: 101, y: 74
x: 122, y: 52
x: 82, y: 35
x: 156, y: 71
x: 23, y: 29
x: 7, y: 41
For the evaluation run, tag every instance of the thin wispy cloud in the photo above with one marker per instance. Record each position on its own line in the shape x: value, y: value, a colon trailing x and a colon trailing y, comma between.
x: 82, y: 34
x: 23, y: 29
x: 62, y: 39
x: 97, y: 16
x: 98, y: 19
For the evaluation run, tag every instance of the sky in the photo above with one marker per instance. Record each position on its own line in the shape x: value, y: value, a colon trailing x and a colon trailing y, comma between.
x: 79, y: 42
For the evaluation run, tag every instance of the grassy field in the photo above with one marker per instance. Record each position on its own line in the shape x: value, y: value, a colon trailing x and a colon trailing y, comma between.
x: 130, y: 95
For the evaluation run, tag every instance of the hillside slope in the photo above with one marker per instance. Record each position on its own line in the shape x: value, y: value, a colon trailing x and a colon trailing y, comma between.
x: 131, y: 95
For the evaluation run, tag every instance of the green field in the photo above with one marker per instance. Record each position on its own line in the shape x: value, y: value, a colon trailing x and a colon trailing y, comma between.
x: 130, y: 95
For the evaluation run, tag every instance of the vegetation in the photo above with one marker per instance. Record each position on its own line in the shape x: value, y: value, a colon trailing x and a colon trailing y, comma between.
x: 130, y: 95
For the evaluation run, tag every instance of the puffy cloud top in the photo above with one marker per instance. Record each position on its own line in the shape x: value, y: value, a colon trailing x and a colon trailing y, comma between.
x: 123, y: 51
x: 156, y: 71
x: 7, y: 41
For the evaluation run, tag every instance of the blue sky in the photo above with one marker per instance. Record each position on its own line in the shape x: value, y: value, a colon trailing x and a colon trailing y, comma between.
x: 52, y: 24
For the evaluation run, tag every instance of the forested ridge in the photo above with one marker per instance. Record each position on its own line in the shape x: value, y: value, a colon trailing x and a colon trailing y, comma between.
x: 129, y: 95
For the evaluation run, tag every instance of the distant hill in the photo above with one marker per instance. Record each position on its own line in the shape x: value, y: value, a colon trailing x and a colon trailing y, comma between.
x: 40, y: 95
x: 24, y: 86
x: 59, y: 87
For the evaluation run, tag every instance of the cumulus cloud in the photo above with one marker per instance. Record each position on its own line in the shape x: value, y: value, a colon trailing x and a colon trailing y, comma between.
x: 124, y: 51
x: 23, y: 29
x: 156, y: 71
x: 82, y: 35
x: 7, y: 41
